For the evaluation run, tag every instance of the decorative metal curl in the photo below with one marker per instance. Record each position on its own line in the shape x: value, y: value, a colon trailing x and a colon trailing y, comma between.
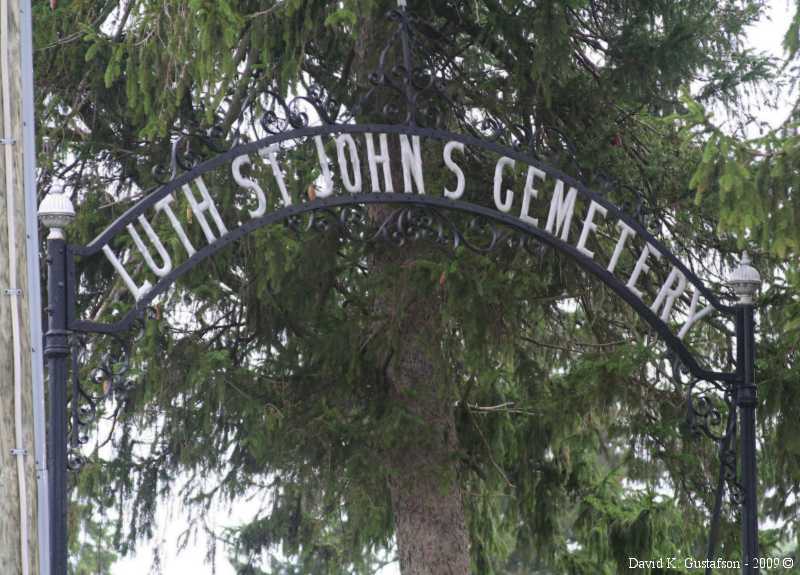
x: 728, y: 468
x: 323, y: 220
x: 298, y: 112
x: 413, y: 66
x: 492, y: 129
x: 706, y: 401
x: 415, y: 223
x: 188, y: 150
x: 400, y: 226
x: 704, y: 415
x: 109, y: 378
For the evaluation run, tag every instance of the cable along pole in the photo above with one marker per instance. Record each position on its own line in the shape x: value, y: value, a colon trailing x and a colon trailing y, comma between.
x: 19, y: 542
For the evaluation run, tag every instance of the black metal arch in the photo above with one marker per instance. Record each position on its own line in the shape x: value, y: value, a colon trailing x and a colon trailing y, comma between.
x: 675, y: 344
x: 329, y: 129
x: 284, y: 214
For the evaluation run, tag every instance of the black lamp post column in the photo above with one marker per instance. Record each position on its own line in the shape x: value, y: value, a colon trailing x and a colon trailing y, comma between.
x: 745, y: 281
x: 55, y: 212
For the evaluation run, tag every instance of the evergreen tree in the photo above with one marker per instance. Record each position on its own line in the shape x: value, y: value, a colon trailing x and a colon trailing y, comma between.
x: 92, y: 553
x: 466, y: 413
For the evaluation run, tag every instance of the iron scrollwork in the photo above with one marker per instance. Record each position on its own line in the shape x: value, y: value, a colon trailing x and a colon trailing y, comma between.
x: 711, y: 412
x: 188, y: 150
x: 705, y: 417
x: 283, y: 115
x: 414, y: 68
x: 400, y: 226
x: 194, y: 144
x: 101, y: 370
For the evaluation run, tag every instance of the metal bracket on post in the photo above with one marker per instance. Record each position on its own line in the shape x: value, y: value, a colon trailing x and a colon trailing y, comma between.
x: 12, y: 291
x: 8, y: 141
x: 19, y: 451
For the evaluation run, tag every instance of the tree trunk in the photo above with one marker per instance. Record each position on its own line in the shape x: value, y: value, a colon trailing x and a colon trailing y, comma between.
x: 431, y: 530
x: 421, y: 461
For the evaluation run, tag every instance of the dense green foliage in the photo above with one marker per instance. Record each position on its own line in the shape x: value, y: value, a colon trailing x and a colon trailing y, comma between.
x: 263, y: 372
x: 93, y: 552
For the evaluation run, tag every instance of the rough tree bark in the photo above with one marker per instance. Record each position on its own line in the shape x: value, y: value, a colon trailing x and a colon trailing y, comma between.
x: 431, y: 530
x: 421, y: 464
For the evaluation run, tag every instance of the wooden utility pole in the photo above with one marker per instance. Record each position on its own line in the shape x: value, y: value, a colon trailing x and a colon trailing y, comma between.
x: 19, y: 549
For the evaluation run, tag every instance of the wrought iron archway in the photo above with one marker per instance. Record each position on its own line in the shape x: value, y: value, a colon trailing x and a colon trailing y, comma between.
x: 416, y: 215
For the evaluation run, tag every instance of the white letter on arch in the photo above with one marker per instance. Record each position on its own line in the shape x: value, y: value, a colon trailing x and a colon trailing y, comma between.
x: 346, y: 141
x: 588, y: 227
x: 694, y: 315
x: 271, y: 155
x: 411, y: 157
x: 453, y: 167
x: 641, y: 266
x: 138, y: 291
x: 383, y: 159
x: 561, y: 208
x: 503, y: 206
x: 668, y: 294
x: 528, y: 193
x: 625, y: 232
x: 163, y: 205
x: 205, y: 205
x: 160, y: 271
x: 249, y: 184
x: 327, y: 188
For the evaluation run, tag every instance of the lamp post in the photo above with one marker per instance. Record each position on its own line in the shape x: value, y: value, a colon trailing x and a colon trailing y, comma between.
x: 745, y: 281
x: 55, y: 213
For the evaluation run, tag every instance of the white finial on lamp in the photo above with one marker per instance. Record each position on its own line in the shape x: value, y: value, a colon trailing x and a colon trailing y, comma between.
x: 401, y: 4
x: 56, y: 212
x: 745, y: 280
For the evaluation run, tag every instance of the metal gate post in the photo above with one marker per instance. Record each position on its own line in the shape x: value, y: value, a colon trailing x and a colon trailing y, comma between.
x: 55, y: 212
x: 745, y: 281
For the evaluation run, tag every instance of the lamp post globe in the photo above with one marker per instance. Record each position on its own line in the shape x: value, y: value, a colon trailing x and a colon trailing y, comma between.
x: 745, y: 280
x: 56, y: 212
